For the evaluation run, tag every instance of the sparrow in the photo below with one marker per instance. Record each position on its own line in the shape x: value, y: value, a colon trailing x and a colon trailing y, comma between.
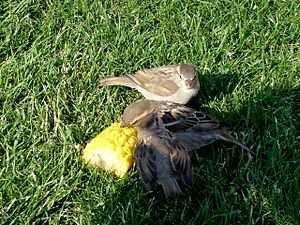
x: 195, y: 129
x: 160, y: 157
x: 175, y: 83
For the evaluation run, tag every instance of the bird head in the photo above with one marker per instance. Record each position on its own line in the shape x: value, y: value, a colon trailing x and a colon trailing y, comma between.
x: 139, y: 113
x: 188, y: 75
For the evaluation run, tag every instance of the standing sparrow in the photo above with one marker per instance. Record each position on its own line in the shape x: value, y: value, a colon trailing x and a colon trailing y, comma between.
x: 194, y: 128
x: 175, y: 83
x: 159, y: 155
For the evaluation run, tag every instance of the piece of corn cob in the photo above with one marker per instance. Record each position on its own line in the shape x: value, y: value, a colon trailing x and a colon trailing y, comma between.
x: 112, y: 149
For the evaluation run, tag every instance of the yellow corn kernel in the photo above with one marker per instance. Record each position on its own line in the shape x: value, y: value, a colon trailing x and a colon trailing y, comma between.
x: 112, y: 149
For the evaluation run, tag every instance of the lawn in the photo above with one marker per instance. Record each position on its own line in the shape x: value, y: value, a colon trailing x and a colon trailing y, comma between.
x: 54, y: 53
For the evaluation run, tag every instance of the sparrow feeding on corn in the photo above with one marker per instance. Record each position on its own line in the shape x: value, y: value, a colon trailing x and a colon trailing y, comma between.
x: 175, y: 83
x: 159, y: 155
x: 165, y: 130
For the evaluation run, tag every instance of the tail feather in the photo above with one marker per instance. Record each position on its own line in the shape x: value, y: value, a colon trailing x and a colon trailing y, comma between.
x: 124, y: 81
x: 171, y: 188
x: 194, y: 140
x: 224, y: 135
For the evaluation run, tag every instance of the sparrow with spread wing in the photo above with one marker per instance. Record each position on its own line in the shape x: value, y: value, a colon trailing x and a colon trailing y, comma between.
x: 194, y: 128
x: 175, y: 83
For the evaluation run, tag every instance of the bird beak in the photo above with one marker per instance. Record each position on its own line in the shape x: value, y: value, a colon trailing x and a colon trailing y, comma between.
x: 189, y: 83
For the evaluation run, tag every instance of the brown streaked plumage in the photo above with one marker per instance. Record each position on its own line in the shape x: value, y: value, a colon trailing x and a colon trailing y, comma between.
x: 160, y: 157
x: 194, y: 128
x: 175, y: 83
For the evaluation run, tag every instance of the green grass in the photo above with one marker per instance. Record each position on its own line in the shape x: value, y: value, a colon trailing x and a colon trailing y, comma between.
x: 52, y: 56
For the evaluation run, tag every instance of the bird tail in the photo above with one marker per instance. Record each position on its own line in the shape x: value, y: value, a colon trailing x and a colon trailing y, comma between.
x: 194, y: 140
x: 224, y: 135
x: 171, y: 188
x: 124, y: 81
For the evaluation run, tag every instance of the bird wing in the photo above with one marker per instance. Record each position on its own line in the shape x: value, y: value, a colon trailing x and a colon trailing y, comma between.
x: 181, y: 163
x: 145, y: 161
x: 177, y: 117
x: 159, y: 81
x: 179, y: 158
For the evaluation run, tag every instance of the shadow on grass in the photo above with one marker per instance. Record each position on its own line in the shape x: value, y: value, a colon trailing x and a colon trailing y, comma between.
x: 130, y: 203
x: 213, y: 85
x: 224, y: 190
